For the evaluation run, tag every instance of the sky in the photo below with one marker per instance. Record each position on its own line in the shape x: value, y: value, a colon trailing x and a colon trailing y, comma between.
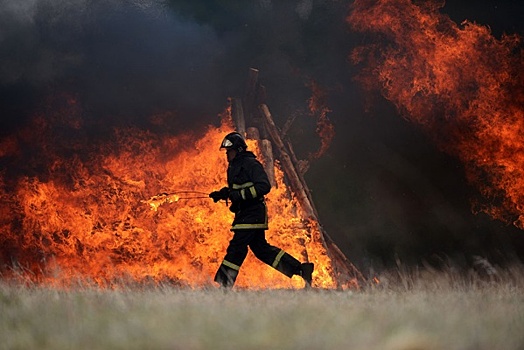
x: 384, y: 190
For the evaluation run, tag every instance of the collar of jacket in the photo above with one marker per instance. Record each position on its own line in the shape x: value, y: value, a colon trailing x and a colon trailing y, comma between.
x: 244, y: 154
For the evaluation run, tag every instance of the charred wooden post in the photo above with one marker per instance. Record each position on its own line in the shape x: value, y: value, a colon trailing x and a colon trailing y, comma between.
x: 268, y: 160
x: 296, y: 185
x: 266, y: 154
x: 287, y: 125
x: 302, y: 167
x: 237, y: 112
x: 345, y: 271
x: 258, y: 118
x: 252, y: 133
x: 250, y: 95
x: 255, y: 94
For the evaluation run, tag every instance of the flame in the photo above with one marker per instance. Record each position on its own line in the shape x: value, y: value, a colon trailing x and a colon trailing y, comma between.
x: 459, y: 83
x: 156, y: 201
x: 114, y: 212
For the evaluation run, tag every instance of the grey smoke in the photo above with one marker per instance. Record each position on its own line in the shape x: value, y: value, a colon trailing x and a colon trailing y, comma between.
x: 304, y: 8
x: 124, y: 57
x: 40, y: 40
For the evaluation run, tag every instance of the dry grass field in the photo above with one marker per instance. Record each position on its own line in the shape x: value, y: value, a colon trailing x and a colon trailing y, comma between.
x: 408, y: 311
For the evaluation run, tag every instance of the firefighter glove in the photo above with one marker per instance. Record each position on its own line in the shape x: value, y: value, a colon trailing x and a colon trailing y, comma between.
x: 234, y: 207
x: 218, y: 195
x: 235, y: 195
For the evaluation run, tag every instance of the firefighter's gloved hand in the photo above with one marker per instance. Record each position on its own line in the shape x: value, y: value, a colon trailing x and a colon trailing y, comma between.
x: 218, y: 195
x: 215, y: 195
x: 234, y: 207
x: 235, y: 195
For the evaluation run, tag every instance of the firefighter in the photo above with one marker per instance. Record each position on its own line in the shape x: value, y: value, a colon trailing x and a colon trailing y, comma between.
x: 247, y: 185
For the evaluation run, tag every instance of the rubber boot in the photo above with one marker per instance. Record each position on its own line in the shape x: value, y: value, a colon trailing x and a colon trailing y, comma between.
x: 306, y: 272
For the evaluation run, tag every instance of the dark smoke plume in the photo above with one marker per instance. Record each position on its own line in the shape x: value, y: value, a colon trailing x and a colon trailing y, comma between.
x: 123, y: 60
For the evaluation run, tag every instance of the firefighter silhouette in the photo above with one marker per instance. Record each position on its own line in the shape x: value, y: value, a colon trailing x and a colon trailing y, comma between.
x: 248, y: 183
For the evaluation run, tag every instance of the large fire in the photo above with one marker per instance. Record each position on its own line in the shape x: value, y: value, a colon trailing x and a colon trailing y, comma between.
x: 133, y: 210
x: 461, y: 84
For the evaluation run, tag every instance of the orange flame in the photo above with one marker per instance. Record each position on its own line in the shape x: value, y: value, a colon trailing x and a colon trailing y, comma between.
x: 462, y: 85
x: 94, y: 216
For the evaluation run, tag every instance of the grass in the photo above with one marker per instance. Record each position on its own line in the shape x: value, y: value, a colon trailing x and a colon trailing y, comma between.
x: 405, y: 311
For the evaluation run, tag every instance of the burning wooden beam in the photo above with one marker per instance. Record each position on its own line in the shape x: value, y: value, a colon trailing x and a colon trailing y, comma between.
x: 266, y: 153
x: 345, y: 271
x: 267, y: 158
x: 296, y: 185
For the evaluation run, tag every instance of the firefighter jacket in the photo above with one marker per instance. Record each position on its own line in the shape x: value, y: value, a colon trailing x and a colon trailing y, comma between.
x: 247, y: 177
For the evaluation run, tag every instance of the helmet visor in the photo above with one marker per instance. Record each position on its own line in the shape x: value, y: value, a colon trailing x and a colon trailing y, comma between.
x: 226, y: 144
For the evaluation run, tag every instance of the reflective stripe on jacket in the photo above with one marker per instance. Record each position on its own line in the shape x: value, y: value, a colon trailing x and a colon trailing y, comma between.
x: 247, y: 175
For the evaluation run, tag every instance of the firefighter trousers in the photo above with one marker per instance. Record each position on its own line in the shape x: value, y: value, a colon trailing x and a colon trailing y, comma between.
x: 256, y: 241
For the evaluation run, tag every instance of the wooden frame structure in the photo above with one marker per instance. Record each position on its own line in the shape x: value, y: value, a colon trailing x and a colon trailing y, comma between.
x: 252, y: 118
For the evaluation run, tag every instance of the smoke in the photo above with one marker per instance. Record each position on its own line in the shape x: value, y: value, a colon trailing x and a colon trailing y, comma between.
x: 123, y: 60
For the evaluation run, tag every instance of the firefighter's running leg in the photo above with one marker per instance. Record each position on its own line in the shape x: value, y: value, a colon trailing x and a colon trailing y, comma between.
x: 279, y: 259
x: 227, y: 274
x: 236, y: 253
x: 290, y: 266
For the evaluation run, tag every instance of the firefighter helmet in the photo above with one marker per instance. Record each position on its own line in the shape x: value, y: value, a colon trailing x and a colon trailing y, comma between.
x: 234, y: 141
